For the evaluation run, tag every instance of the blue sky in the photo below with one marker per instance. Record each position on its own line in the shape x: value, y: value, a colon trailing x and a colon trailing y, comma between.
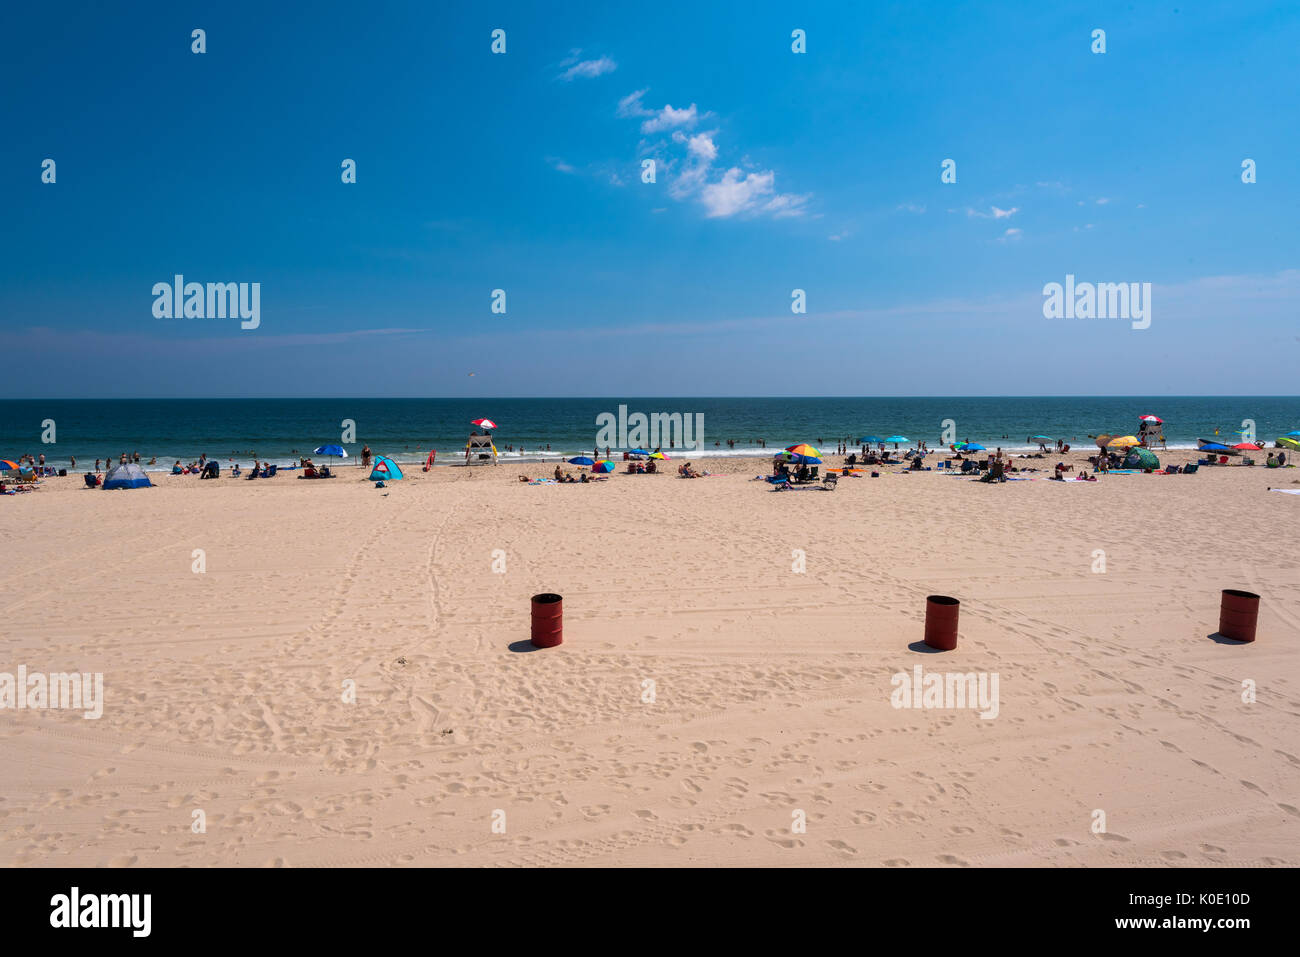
x: 776, y: 171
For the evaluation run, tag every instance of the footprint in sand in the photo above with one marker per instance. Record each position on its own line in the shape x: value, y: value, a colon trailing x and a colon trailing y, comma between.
x: 783, y: 839
x: 842, y: 847
x: 897, y: 862
x: 952, y: 861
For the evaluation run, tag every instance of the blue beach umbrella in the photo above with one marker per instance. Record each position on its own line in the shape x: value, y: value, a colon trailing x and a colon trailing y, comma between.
x: 871, y: 440
x: 973, y: 447
x: 638, y: 452
x: 581, y: 460
x: 1214, y: 447
x: 1294, y: 432
x: 897, y: 438
x: 335, y: 450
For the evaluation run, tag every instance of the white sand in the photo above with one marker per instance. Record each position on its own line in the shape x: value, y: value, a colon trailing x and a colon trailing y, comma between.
x: 772, y: 688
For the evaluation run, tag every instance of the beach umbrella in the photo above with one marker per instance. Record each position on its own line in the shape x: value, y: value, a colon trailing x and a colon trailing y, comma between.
x: 1123, y: 442
x: 898, y: 438
x: 581, y: 460
x: 871, y: 440
x: 1294, y: 433
x: 659, y: 455
x: 1151, y: 418
x: 638, y: 452
x: 1041, y: 438
x: 335, y: 450
x: 1287, y: 442
x: 803, y: 448
x: 1247, y: 446
x: 1103, y: 439
x: 972, y: 447
x: 8, y: 464
x: 484, y: 423
x: 605, y: 466
x: 1214, y: 447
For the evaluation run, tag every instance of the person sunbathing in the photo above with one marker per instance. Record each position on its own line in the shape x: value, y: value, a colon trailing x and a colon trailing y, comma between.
x: 559, y: 476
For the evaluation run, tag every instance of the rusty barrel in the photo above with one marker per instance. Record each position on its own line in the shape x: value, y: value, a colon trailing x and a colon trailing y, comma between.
x: 1238, y: 614
x: 941, y: 622
x: 548, y: 620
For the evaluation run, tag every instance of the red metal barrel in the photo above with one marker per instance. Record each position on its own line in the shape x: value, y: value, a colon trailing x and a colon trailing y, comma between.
x: 1238, y: 614
x: 941, y: 622
x: 548, y: 620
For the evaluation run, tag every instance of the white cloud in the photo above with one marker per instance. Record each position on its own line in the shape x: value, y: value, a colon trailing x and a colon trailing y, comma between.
x: 1011, y: 235
x: 588, y: 69
x: 668, y: 118
x: 1103, y: 201
x: 631, y: 105
x: 559, y: 164
x: 994, y: 212
x: 735, y: 192
x: 701, y: 145
x: 911, y: 208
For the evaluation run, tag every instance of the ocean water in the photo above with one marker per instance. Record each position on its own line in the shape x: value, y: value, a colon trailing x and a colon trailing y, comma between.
x: 279, y: 430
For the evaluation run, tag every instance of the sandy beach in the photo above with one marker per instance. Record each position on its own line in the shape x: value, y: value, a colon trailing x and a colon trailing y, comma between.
x: 708, y: 697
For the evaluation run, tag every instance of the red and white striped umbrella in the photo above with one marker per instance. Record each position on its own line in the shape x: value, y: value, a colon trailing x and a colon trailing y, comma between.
x: 484, y: 423
x: 1151, y: 418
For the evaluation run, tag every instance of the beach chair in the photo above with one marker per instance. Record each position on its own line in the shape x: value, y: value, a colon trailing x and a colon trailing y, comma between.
x: 1190, y: 469
x: 91, y: 481
x: 1223, y: 460
x: 830, y: 482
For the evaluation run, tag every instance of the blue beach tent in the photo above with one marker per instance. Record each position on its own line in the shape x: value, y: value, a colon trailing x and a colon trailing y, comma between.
x: 129, y: 475
x: 385, y: 470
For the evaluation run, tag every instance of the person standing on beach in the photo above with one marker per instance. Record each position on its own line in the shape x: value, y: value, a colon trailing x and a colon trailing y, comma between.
x: 365, y: 457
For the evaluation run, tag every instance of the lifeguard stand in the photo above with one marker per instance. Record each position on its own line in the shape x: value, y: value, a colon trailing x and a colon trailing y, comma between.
x: 479, y: 450
x: 1151, y: 434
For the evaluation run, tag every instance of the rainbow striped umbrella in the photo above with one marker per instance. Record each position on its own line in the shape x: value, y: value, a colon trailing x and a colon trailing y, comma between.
x: 659, y: 455
x: 605, y: 466
x: 803, y: 448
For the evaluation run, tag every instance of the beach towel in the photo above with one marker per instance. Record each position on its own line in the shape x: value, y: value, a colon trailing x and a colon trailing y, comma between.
x: 1286, y: 491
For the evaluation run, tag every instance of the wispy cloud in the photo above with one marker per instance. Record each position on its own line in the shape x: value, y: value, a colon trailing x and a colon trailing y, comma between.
x: 911, y: 208
x: 1011, y: 235
x: 586, y: 69
x: 722, y: 192
x: 993, y: 213
x: 559, y: 164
